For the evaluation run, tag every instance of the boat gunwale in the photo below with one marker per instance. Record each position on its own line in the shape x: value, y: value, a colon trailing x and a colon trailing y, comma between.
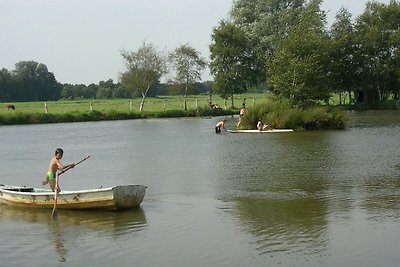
x: 44, y: 192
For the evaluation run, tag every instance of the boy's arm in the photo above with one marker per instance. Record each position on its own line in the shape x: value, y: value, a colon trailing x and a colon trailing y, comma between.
x: 64, y: 167
x: 59, y: 165
x: 69, y: 166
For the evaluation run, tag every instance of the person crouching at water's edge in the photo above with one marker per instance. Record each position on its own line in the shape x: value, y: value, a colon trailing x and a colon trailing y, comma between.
x: 220, y: 125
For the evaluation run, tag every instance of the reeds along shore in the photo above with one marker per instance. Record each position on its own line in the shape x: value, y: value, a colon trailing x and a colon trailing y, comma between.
x: 275, y: 114
x: 279, y: 115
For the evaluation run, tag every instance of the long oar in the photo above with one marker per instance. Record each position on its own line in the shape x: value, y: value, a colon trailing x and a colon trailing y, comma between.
x: 66, y: 169
x: 54, y: 212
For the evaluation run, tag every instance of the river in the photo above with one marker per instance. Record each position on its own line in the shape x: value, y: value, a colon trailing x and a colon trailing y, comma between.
x: 320, y: 198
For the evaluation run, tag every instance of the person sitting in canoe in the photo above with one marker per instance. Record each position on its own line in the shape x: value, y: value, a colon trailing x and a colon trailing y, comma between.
x: 53, y: 167
x: 220, y: 125
x: 261, y: 126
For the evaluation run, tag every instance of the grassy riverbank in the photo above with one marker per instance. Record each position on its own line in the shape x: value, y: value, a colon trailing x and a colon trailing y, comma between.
x: 275, y: 113
x: 118, y: 109
x: 152, y: 104
x: 76, y: 116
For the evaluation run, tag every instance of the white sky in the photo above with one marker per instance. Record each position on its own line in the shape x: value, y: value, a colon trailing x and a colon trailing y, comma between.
x: 80, y: 40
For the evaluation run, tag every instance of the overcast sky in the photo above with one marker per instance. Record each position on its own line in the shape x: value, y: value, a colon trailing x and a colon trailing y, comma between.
x: 80, y: 40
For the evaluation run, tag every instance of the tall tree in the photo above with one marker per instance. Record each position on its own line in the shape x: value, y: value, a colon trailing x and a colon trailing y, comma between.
x: 232, y: 61
x: 265, y: 22
x: 377, y: 31
x: 297, y: 71
x: 145, y: 67
x: 34, y: 82
x: 393, y: 15
x: 5, y: 85
x: 188, y: 65
x: 343, y: 68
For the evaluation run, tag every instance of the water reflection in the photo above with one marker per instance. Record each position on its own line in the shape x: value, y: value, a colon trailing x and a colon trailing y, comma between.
x: 285, y: 225
x: 58, y: 241
x: 375, y: 118
x: 70, y: 225
x: 303, y: 182
x: 287, y: 163
x: 382, y: 199
x: 283, y: 200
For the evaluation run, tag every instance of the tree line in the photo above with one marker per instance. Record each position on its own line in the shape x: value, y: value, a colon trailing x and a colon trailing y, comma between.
x: 288, y: 46
x: 32, y: 81
x: 285, y: 47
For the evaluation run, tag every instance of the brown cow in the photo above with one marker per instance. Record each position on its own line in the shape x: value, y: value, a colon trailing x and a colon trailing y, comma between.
x: 10, y: 106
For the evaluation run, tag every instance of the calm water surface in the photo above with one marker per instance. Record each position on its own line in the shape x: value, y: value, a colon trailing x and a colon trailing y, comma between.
x: 326, y: 198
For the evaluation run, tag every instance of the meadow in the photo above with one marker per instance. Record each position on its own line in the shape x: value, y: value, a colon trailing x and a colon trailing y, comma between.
x: 152, y: 104
x: 119, y: 109
x: 278, y: 114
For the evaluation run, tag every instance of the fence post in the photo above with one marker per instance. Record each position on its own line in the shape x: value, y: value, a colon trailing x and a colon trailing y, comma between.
x: 45, y: 108
x: 197, y: 103
x: 91, y: 106
x: 130, y: 105
x: 165, y: 104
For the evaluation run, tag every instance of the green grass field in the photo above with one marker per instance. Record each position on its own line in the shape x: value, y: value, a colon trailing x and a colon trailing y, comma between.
x: 278, y: 114
x: 152, y: 104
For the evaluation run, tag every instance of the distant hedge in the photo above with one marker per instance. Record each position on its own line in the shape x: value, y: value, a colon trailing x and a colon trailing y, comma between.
x: 16, y: 118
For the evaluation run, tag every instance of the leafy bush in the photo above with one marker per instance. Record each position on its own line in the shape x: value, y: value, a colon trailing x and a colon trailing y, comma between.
x: 278, y: 114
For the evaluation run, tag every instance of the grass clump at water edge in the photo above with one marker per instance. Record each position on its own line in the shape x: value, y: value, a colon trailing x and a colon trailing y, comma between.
x: 279, y: 115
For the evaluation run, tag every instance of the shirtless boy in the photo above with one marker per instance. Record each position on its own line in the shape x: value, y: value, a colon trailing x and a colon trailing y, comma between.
x: 54, y: 166
x: 220, y: 125
x: 241, y: 114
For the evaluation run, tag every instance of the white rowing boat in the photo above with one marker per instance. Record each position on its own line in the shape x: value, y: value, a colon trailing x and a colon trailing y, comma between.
x: 265, y: 131
x: 113, y: 198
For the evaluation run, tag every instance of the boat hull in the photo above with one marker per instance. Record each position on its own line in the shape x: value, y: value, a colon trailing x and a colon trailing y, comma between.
x: 113, y: 198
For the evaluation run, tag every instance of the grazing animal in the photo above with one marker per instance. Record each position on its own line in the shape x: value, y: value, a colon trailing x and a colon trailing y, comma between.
x: 9, y: 106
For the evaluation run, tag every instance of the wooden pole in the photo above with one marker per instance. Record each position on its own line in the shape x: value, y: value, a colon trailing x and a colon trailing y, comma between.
x: 54, y: 212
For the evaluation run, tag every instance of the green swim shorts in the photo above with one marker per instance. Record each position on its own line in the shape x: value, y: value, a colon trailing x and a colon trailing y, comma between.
x: 51, y: 175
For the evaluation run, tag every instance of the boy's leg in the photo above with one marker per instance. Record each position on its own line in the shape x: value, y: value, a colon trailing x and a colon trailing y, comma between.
x: 46, y: 180
x: 52, y: 184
